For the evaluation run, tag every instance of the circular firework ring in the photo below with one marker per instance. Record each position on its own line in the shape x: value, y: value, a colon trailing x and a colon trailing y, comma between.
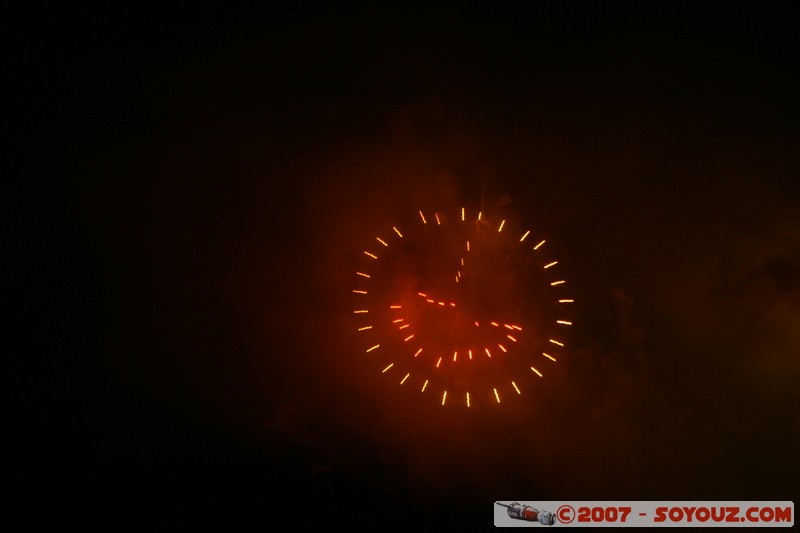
x: 462, y: 308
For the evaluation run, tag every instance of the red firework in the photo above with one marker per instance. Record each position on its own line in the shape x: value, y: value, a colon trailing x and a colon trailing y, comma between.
x: 466, y: 309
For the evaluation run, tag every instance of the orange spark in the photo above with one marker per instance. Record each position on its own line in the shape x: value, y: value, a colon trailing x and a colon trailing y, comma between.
x: 551, y: 264
x: 422, y: 294
x: 556, y: 342
x: 424, y: 385
x: 467, y: 399
x: 398, y: 232
x: 516, y: 388
x: 441, y: 303
x: 468, y: 246
x: 373, y: 348
x: 548, y: 356
x: 503, y: 223
x: 558, y: 283
x: 488, y: 352
x: 526, y: 234
x: 423, y: 218
x: 502, y: 348
x: 418, y: 352
x: 397, y: 320
x: 395, y: 307
x: 462, y: 214
x: 371, y: 255
x: 365, y: 327
x: 437, y: 218
x: 408, y: 338
x: 454, y: 356
x: 470, y: 353
x: 512, y: 338
x: 537, y: 372
x: 381, y: 241
x: 496, y: 395
x: 362, y: 311
x: 359, y: 292
x: 565, y: 322
x: 538, y: 245
x: 439, y: 362
x: 495, y: 324
x: 429, y: 301
x: 565, y: 301
x: 404, y: 326
x: 387, y: 368
x: 444, y: 397
x: 362, y: 274
x: 405, y: 378
x: 479, y: 215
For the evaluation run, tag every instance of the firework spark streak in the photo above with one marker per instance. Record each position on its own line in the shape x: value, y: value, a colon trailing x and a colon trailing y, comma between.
x: 451, y: 283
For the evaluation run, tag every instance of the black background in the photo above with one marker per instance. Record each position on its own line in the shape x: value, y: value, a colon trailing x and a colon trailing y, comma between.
x: 202, y: 180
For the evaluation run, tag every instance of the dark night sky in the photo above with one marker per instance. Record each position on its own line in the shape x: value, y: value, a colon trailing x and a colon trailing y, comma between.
x: 203, y: 180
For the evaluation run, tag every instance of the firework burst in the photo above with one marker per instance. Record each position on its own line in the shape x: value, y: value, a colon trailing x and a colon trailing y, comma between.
x: 466, y: 309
